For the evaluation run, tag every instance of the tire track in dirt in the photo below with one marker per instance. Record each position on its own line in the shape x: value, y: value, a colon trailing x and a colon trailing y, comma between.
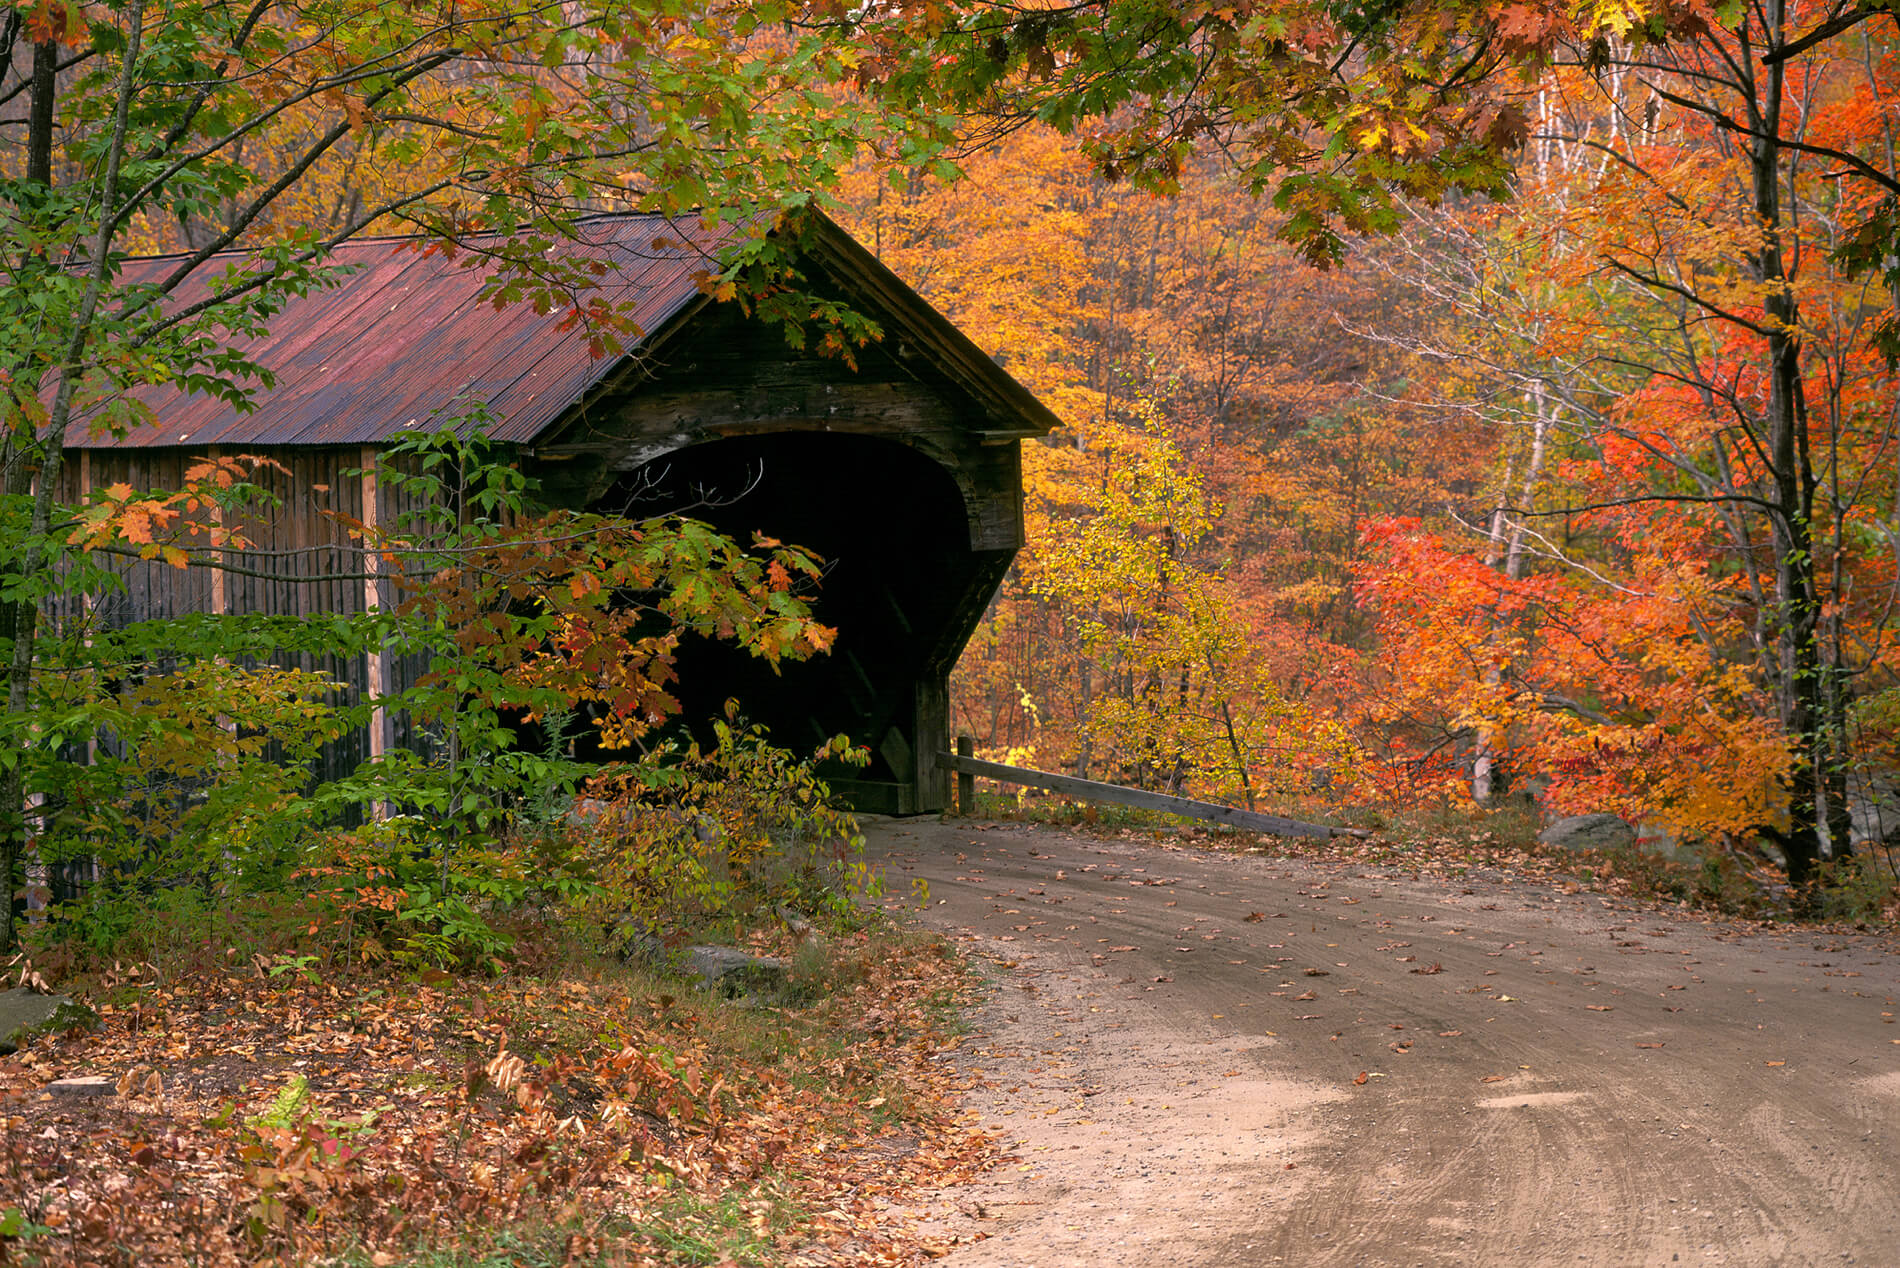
x: 1176, y: 1038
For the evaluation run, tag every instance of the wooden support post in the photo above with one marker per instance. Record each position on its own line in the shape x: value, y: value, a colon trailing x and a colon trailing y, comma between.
x: 87, y: 599
x: 376, y: 666
x: 930, y: 735
x: 966, y: 782
x: 220, y: 594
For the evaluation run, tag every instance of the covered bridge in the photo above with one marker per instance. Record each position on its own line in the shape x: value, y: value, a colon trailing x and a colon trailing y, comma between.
x: 903, y: 472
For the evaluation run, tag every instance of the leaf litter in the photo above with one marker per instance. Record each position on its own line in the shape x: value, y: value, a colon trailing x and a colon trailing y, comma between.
x: 279, y: 1120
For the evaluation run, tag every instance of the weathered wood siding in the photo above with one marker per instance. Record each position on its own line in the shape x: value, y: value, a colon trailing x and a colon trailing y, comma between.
x: 301, y: 562
x: 737, y: 377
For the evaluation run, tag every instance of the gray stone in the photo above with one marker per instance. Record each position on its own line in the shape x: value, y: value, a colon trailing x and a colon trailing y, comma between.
x: 1588, y: 832
x: 25, y: 1012
x: 85, y: 1085
x: 635, y: 943
x: 1663, y: 844
x: 731, y: 969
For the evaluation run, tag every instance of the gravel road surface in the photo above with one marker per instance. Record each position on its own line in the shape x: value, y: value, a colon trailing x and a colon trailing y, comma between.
x: 1214, y: 1058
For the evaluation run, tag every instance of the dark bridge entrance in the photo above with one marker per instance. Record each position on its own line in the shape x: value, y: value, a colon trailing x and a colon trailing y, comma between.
x: 903, y: 586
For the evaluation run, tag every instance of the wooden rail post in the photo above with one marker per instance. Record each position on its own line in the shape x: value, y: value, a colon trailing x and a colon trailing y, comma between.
x: 966, y: 782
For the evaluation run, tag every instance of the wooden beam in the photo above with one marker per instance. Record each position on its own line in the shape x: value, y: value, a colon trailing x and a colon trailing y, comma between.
x: 376, y: 662
x: 1092, y: 790
x: 966, y: 782
x: 881, y: 409
x: 220, y: 595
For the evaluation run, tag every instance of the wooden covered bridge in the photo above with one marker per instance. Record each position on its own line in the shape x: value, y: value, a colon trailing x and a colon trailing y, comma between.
x: 903, y: 472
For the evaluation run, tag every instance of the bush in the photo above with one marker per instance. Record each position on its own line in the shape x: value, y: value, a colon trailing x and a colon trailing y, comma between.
x: 702, y: 836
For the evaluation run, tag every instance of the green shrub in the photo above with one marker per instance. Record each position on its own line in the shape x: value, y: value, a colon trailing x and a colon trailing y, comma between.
x: 702, y: 836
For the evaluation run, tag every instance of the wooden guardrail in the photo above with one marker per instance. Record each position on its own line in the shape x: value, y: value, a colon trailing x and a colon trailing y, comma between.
x: 968, y: 768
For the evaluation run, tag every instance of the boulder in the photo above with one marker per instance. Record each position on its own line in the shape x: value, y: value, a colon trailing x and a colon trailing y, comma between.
x: 734, y: 971
x: 25, y: 1012
x: 1663, y: 844
x: 635, y: 943
x: 1588, y: 832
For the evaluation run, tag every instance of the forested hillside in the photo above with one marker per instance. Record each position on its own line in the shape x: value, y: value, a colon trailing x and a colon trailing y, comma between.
x: 1582, y: 486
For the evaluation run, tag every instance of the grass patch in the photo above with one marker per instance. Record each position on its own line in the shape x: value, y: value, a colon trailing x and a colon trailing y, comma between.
x: 742, y: 1228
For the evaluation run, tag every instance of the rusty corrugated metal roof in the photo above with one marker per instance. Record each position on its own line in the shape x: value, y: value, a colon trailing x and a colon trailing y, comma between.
x: 406, y: 336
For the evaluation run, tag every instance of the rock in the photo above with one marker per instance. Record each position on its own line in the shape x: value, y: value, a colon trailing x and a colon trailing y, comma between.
x: 85, y: 1085
x: 733, y: 970
x: 1663, y: 844
x: 634, y: 943
x: 25, y: 1012
x: 1588, y: 832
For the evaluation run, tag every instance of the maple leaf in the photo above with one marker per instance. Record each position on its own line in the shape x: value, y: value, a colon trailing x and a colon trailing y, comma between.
x: 57, y: 21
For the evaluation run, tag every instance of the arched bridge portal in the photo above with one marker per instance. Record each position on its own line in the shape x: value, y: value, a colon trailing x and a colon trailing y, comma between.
x: 904, y: 585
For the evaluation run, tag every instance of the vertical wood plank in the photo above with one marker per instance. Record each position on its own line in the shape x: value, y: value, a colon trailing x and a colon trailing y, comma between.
x: 378, y: 664
x: 220, y: 595
x: 930, y: 735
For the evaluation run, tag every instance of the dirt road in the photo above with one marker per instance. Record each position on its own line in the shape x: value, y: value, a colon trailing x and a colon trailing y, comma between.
x: 1206, y: 1058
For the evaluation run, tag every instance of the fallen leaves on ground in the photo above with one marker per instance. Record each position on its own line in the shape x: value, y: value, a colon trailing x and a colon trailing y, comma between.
x: 277, y: 1119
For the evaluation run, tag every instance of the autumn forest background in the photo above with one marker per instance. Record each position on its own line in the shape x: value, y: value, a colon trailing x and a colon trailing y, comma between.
x: 1491, y: 506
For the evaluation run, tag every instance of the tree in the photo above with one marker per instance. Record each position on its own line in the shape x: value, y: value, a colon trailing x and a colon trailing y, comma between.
x: 1700, y: 421
x: 1184, y: 343
x: 1768, y: 446
x: 1337, y: 111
